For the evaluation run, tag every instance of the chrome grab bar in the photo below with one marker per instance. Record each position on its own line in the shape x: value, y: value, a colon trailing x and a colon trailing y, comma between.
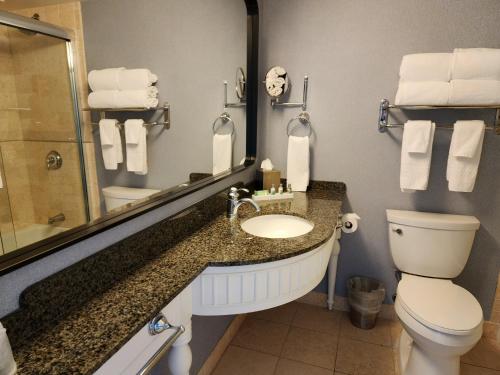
x: 156, y: 326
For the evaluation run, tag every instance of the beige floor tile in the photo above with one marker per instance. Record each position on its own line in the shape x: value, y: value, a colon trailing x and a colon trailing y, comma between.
x: 380, y: 334
x: 311, y: 347
x: 317, y: 319
x: 485, y: 354
x: 473, y: 370
x: 281, y: 314
x: 396, y: 329
x: 245, y: 362
x: 261, y: 335
x: 288, y: 367
x: 360, y: 358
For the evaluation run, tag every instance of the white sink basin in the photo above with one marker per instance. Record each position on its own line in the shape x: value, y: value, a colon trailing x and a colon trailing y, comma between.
x: 277, y: 226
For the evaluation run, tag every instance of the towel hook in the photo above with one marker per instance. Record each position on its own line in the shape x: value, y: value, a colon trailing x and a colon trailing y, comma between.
x: 304, y: 119
x: 224, y: 119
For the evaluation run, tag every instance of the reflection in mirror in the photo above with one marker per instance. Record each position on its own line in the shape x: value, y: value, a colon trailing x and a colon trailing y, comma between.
x: 172, y: 123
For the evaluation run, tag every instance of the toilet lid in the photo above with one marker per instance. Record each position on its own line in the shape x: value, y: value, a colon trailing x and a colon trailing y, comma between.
x: 439, y: 304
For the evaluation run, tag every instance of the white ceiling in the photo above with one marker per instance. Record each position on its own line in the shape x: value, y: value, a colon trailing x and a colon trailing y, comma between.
x: 20, y: 4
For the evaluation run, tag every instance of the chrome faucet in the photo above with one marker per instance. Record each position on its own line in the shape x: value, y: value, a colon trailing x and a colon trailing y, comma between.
x: 233, y: 203
x: 56, y: 219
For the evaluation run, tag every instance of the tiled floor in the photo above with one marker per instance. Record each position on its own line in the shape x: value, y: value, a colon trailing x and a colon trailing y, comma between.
x: 300, y: 339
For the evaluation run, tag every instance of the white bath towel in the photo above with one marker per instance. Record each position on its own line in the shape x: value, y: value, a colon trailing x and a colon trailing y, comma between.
x: 7, y: 364
x: 476, y: 64
x: 222, y: 153
x: 105, y: 79
x: 146, y: 98
x: 102, y: 99
x: 111, y: 143
x: 423, y: 93
x: 136, y: 144
x: 426, y: 67
x: 474, y: 92
x: 416, y: 155
x: 136, y: 79
x: 297, y: 163
x: 465, y: 154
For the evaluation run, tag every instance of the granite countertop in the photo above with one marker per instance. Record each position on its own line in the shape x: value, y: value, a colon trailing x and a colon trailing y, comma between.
x: 75, y: 320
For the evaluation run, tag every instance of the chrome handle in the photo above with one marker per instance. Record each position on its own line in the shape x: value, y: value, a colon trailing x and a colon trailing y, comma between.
x: 233, y: 192
x: 398, y: 231
x: 146, y: 369
x: 158, y: 324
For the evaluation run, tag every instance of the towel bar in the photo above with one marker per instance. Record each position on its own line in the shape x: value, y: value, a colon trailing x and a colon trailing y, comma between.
x: 385, y: 107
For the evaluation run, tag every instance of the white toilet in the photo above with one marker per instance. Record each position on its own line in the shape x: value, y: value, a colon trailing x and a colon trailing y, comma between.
x: 116, y: 196
x: 441, y: 320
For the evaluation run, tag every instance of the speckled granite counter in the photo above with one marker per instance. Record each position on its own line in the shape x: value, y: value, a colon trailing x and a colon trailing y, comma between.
x: 73, y: 321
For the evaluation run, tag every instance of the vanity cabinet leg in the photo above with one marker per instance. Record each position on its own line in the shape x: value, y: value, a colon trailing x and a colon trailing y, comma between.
x: 179, y: 356
x: 332, y: 272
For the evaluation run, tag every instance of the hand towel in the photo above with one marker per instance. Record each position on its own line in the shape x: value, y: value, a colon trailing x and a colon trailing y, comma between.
x: 476, y: 64
x: 105, y: 79
x: 423, y: 93
x: 7, y: 364
x: 416, y: 154
x: 111, y: 143
x: 102, y: 99
x: 465, y: 154
x: 136, y: 79
x: 475, y: 92
x: 297, y: 163
x: 136, y: 144
x: 426, y: 67
x: 222, y: 153
x: 146, y: 98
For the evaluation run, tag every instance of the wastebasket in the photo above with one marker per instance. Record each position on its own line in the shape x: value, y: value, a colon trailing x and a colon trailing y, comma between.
x: 365, y: 297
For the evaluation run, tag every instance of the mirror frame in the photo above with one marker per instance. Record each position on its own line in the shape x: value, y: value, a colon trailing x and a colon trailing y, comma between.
x: 31, y: 253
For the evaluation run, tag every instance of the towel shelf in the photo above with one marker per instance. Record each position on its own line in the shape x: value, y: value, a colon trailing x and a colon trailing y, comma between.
x: 385, y: 108
x: 165, y: 109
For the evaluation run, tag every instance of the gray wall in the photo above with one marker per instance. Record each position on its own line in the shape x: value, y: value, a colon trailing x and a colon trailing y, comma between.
x: 193, y: 46
x: 351, y: 50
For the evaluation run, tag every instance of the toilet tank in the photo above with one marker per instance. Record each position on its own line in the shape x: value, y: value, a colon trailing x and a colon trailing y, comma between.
x: 430, y: 244
x: 116, y: 196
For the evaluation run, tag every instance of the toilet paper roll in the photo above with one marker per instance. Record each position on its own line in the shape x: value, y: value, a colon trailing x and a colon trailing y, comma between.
x: 350, y: 222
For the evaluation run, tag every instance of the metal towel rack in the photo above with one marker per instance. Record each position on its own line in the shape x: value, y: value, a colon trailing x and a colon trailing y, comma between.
x: 164, y: 109
x: 276, y: 102
x: 385, y: 108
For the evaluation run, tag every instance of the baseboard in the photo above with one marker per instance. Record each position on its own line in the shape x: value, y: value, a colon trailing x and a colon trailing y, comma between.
x: 216, y: 354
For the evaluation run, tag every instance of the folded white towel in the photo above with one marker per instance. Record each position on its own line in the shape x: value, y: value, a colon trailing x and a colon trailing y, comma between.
x: 7, y: 364
x: 137, y: 98
x: 111, y: 143
x: 297, y: 163
x: 476, y: 64
x: 222, y: 153
x: 426, y: 67
x: 423, y: 93
x: 102, y: 99
x: 136, y: 144
x: 415, y: 165
x: 465, y: 154
x: 105, y: 79
x: 136, y: 79
x: 474, y: 92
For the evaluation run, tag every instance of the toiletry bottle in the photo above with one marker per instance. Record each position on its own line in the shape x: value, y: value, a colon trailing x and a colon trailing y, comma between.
x: 289, y: 188
x: 273, y: 190
x: 280, y: 189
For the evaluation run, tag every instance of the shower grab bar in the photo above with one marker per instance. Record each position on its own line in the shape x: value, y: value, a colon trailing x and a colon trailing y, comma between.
x: 56, y: 219
x: 385, y: 107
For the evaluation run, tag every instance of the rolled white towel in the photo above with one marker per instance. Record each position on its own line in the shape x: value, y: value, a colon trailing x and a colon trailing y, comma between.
x: 476, y: 64
x: 426, y: 67
x: 7, y: 364
x: 136, y: 79
x: 136, y: 98
x: 423, y: 93
x: 474, y: 92
x: 105, y: 79
x: 102, y: 99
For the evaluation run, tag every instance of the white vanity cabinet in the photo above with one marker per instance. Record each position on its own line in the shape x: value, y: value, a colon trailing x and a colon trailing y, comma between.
x: 142, y: 347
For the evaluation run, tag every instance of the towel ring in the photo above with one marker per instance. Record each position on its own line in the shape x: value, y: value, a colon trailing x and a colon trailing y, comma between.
x: 305, y: 121
x: 224, y: 119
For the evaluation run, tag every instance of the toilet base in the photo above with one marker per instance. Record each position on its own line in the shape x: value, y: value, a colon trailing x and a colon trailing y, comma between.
x: 414, y: 361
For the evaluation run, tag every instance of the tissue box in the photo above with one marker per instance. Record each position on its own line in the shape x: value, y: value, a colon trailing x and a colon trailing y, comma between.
x: 266, y: 179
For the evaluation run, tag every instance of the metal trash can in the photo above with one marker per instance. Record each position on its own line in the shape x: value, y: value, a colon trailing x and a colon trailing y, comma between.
x: 365, y: 296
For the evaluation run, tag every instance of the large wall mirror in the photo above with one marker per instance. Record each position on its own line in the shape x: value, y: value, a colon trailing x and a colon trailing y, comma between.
x: 170, y: 107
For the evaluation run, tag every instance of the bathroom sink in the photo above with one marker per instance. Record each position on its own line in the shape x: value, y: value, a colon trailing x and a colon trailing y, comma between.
x: 277, y: 226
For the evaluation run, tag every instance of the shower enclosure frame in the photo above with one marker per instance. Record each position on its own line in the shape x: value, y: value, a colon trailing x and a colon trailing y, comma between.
x: 40, y: 27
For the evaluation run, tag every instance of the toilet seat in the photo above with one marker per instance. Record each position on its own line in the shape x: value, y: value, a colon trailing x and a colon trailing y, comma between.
x: 439, y: 304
